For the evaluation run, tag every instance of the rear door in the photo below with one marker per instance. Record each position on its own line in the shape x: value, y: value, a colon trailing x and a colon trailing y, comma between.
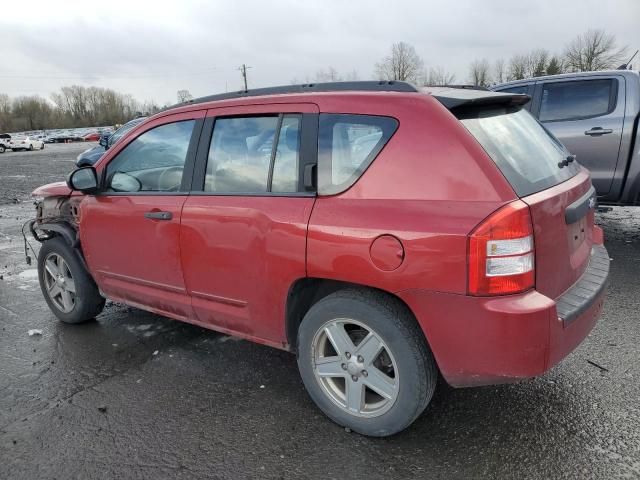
x: 587, y: 116
x: 244, y: 226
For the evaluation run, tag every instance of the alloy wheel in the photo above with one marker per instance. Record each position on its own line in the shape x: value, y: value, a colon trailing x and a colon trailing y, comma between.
x: 59, y: 283
x: 355, y: 368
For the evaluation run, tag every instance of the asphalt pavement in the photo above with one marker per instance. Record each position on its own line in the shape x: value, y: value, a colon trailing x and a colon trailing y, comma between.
x: 134, y: 395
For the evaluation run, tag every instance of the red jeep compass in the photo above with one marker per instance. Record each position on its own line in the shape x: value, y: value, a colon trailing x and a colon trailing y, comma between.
x: 383, y: 233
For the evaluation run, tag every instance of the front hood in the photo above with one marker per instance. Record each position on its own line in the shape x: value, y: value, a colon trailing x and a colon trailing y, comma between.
x: 57, y: 189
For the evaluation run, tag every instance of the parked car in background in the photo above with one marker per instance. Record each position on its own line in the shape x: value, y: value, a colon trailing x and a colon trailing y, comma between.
x: 4, y: 142
x: 92, y: 137
x: 596, y: 116
x: 93, y: 154
x: 383, y: 233
x: 19, y: 142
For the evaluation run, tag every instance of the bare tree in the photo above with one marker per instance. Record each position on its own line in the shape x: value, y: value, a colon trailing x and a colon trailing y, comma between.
x: 517, y: 67
x: 30, y: 113
x: 499, y: 71
x: 352, y: 76
x: 593, y: 50
x: 5, y: 112
x: 184, y: 96
x: 403, y: 64
x: 479, y: 73
x: 536, y: 62
x: 438, y: 77
x: 328, y: 75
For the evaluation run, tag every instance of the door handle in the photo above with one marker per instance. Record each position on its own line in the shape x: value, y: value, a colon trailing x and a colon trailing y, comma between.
x: 596, y: 131
x: 158, y: 215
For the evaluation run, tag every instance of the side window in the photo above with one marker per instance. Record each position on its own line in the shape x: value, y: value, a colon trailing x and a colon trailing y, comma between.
x: 347, y: 144
x: 254, y: 155
x: 153, y: 162
x: 576, y: 100
x: 523, y: 89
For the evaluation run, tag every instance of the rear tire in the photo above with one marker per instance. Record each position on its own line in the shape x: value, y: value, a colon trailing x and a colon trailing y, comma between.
x: 31, y: 147
x: 68, y: 288
x: 378, y: 378
x: 2, y: 149
x: 42, y: 146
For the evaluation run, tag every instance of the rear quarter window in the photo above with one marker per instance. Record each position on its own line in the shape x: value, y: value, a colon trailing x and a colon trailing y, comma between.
x: 347, y: 144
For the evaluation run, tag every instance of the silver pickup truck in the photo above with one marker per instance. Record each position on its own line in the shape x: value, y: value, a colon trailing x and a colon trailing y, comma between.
x: 595, y: 115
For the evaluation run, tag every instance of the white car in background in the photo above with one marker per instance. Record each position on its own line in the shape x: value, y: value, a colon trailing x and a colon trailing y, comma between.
x: 25, y: 143
x: 5, y: 138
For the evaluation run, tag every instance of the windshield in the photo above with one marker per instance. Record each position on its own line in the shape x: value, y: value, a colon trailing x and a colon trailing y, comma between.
x: 526, y: 153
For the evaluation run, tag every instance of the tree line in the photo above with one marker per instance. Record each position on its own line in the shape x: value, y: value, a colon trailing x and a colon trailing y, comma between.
x: 591, y: 50
x: 71, y: 107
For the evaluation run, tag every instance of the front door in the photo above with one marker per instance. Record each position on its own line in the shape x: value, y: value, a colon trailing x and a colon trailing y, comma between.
x: 130, y: 231
x: 243, y: 240
x: 587, y: 116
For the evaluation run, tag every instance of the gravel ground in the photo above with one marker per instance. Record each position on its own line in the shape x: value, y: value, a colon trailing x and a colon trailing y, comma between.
x: 134, y: 395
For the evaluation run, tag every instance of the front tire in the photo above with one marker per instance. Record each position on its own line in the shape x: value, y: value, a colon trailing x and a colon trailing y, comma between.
x: 31, y: 147
x: 365, y: 362
x: 2, y: 149
x: 68, y: 289
x: 42, y: 146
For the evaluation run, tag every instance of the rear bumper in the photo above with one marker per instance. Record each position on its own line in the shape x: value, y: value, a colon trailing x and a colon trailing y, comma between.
x: 483, y: 341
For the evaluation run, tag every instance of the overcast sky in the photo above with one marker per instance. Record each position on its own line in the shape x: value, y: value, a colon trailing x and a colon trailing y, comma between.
x: 153, y: 49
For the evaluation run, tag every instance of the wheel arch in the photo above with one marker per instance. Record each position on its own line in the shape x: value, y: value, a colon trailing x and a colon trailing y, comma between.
x: 305, y: 292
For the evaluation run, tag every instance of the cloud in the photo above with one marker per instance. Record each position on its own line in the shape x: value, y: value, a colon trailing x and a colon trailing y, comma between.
x: 153, y: 49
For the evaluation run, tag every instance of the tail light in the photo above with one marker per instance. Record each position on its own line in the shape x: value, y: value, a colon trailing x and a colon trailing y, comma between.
x: 501, y: 255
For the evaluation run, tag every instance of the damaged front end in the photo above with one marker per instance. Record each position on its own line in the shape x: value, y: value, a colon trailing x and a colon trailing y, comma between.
x: 57, y: 214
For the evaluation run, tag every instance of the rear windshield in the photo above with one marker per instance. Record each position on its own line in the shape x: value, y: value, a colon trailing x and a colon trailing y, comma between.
x: 526, y: 153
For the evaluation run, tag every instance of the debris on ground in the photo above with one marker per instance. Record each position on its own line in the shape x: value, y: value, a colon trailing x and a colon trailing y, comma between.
x: 604, y: 369
x: 34, y: 331
x: 102, y: 408
x: 156, y: 352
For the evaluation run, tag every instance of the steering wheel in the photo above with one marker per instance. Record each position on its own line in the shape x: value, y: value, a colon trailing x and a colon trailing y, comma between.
x: 165, y: 178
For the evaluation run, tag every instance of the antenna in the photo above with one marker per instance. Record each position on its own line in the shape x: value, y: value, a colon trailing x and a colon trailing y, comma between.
x: 624, y: 66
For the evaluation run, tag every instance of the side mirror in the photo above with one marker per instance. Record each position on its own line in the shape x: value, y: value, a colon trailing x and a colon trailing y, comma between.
x: 83, y: 180
x: 104, y: 141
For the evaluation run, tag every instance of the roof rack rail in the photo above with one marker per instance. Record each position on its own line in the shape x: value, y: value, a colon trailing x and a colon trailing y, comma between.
x: 365, y: 86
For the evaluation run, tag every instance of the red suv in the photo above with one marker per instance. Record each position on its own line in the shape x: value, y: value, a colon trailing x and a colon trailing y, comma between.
x: 383, y: 233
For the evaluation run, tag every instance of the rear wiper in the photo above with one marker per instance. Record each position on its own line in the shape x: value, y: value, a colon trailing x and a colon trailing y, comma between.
x: 566, y: 161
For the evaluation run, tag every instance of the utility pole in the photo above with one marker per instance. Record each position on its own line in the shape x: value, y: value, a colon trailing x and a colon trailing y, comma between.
x: 243, y: 71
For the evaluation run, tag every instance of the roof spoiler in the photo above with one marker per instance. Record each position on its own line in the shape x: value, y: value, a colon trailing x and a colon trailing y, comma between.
x: 454, y: 98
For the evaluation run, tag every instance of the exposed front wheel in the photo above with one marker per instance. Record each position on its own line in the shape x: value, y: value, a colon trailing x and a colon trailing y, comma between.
x: 365, y: 362
x: 68, y: 289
